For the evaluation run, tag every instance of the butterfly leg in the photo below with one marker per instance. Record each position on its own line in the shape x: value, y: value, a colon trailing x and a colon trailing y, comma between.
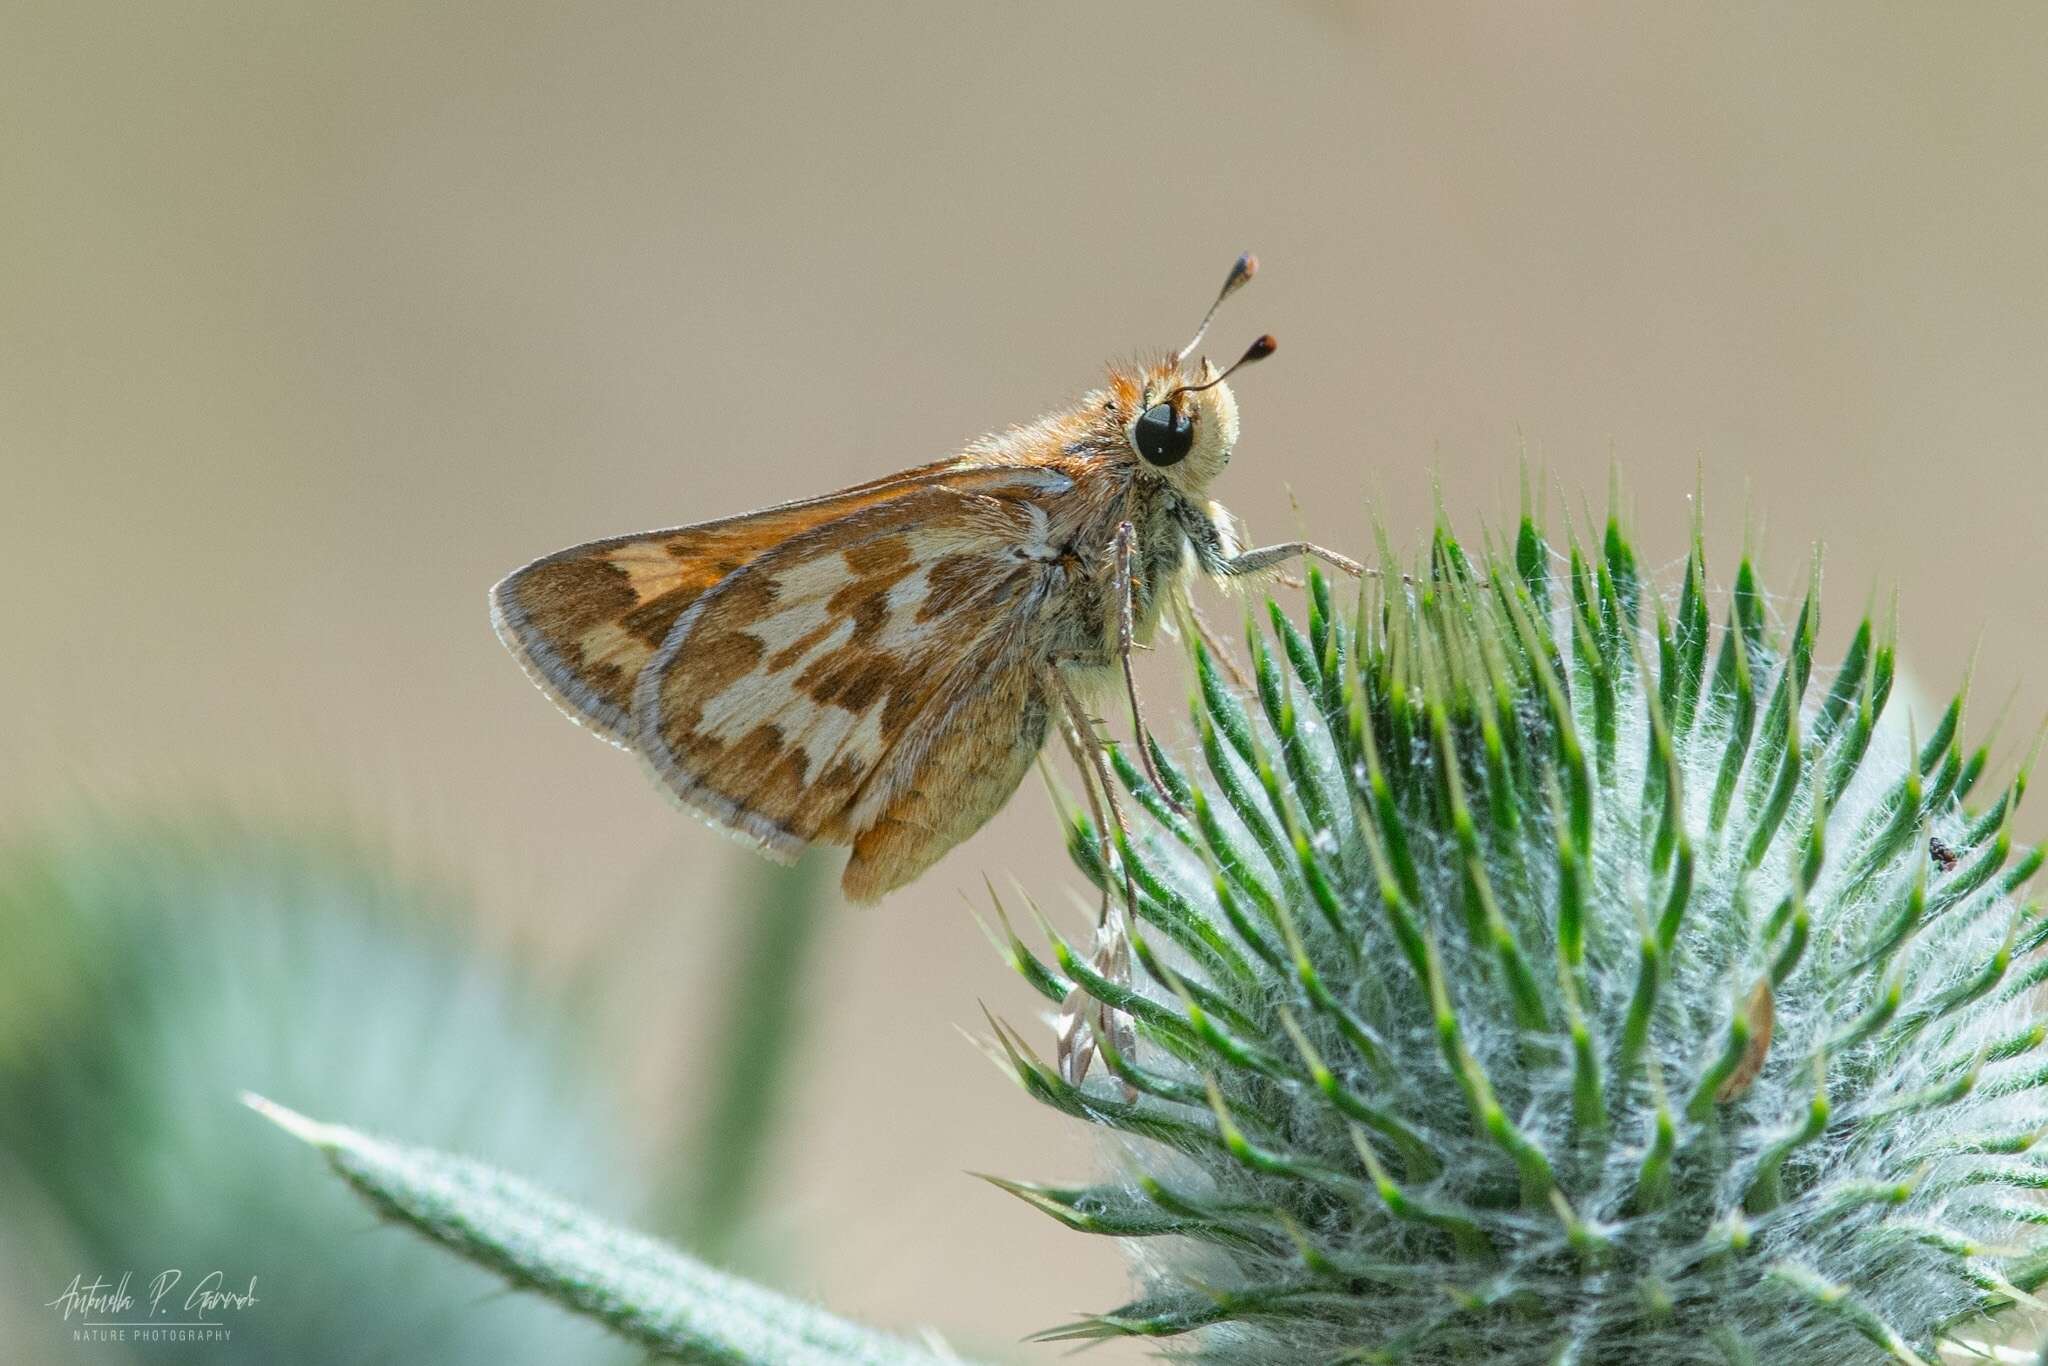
x: 1265, y: 557
x: 1194, y: 621
x: 1086, y: 749
x: 1075, y: 1032
x: 1213, y: 552
x: 1126, y: 629
x: 1104, y: 852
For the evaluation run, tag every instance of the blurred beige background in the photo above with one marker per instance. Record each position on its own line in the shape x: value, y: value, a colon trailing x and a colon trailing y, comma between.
x: 316, y: 319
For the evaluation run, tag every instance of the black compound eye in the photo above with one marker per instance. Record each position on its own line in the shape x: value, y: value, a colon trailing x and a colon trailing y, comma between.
x: 1163, y: 436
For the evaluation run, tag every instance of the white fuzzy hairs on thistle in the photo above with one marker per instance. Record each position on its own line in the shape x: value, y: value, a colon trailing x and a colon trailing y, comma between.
x: 1423, y: 1078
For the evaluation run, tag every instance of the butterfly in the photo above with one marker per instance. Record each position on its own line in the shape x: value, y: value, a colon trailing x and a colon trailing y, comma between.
x: 879, y: 667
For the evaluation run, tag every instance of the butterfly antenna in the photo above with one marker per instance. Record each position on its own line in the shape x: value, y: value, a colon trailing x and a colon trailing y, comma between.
x: 1257, y: 351
x: 1242, y: 271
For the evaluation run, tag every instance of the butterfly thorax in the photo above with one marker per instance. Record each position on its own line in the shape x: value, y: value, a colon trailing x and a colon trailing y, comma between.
x: 1104, y: 485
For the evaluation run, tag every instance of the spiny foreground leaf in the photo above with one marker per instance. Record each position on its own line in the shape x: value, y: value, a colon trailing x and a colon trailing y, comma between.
x: 1543, y: 976
x: 674, y: 1306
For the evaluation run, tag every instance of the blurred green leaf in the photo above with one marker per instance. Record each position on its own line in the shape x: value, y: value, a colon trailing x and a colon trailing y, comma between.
x: 674, y: 1306
x: 149, y: 972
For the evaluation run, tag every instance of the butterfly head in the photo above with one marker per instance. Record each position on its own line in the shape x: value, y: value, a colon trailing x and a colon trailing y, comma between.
x: 1179, y: 420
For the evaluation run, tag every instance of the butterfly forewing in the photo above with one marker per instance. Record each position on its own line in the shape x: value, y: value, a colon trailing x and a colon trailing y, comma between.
x: 585, y: 621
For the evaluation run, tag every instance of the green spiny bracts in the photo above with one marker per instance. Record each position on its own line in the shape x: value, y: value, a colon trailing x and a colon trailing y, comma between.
x: 1539, y: 974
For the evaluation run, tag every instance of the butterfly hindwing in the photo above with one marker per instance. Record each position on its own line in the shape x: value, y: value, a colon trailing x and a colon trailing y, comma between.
x: 808, y: 694
x: 949, y: 776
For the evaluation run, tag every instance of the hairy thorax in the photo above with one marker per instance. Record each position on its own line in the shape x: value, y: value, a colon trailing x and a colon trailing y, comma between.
x: 1079, y: 589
